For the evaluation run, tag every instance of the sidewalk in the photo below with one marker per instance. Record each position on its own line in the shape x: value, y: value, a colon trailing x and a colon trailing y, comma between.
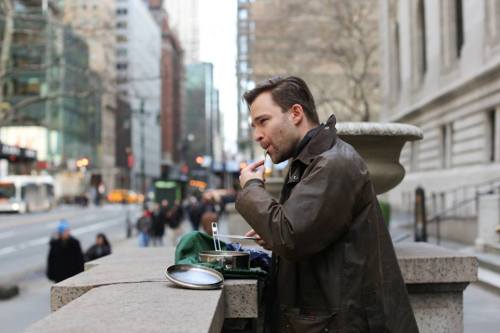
x: 481, y: 299
x: 489, y: 263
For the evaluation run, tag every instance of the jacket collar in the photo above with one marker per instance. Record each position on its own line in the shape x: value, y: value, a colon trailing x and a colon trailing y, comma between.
x: 323, y: 140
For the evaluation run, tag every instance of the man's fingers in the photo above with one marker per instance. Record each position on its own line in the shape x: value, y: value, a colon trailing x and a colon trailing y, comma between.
x: 253, y: 166
x: 250, y: 233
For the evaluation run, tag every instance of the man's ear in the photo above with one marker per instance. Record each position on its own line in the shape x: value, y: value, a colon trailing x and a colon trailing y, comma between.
x: 297, y: 114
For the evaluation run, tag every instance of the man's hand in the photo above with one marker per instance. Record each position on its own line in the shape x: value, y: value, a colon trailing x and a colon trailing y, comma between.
x: 252, y: 171
x: 259, y: 240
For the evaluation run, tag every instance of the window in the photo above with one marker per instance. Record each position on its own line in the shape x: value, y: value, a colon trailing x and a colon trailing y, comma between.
x: 446, y: 139
x: 394, y: 50
x: 121, y: 11
x: 421, y: 31
x: 493, y: 21
x: 121, y: 52
x: 243, y: 14
x: 121, y: 65
x: 121, y: 24
x: 492, y: 135
x: 30, y: 86
x: 459, y: 26
x: 121, y: 38
x: 418, y: 48
x: 452, y: 31
x: 414, y: 155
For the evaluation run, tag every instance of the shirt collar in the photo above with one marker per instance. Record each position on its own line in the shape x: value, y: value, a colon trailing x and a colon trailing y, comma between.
x: 316, y: 141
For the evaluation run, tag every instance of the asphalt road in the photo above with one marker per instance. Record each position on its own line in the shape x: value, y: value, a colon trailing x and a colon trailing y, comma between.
x: 24, y: 238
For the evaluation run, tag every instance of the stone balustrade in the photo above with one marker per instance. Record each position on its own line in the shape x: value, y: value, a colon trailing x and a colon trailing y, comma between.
x: 128, y: 292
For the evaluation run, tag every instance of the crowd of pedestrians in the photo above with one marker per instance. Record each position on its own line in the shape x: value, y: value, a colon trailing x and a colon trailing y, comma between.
x: 160, y: 219
x: 66, y: 257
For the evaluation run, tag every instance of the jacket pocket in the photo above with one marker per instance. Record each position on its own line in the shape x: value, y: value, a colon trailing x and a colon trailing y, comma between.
x: 310, y: 323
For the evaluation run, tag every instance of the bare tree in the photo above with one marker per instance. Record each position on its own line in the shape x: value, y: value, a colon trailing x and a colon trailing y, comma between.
x: 332, y: 44
x: 30, y: 27
x: 8, y: 12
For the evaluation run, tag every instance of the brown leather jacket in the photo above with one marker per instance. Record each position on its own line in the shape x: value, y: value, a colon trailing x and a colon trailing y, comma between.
x: 335, y: 266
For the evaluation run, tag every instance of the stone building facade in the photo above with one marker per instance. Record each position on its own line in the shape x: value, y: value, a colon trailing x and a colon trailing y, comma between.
x: 138, y: 55
x: 441, y: 72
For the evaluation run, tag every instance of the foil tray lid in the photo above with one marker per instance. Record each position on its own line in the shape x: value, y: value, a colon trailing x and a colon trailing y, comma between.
x: 194, y: 277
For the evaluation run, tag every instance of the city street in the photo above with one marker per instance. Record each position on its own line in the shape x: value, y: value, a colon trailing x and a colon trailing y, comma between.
x: 24, y: 238
x: 24, y: 247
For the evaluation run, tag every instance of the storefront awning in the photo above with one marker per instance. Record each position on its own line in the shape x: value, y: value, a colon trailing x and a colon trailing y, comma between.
x: 17, y: 154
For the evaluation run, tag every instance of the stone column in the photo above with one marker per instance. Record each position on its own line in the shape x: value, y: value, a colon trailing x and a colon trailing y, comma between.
x: 488, y: 221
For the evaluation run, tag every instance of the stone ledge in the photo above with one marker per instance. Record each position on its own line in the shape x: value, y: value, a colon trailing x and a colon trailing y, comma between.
x: 140, y: 265
x: 127, y: 292
x: 138, y: 307
x: 422, y: 263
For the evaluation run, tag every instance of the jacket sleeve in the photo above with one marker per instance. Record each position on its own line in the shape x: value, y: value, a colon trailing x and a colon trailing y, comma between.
x: 317, y: 213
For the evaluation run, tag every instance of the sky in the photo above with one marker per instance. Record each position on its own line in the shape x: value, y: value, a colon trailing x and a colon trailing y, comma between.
x: 218, y: 46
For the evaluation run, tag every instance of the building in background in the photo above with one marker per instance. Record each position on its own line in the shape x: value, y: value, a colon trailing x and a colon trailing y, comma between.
x: 172, y: 69
x: 203, y: 148
x: 49, y: 98
x: 245, y: 31
x: 441, y: 61
x: 95, y: 22
x: 332, y: 45
x: 123, y: 146
x: 184, y: 18
x: 138, y: 52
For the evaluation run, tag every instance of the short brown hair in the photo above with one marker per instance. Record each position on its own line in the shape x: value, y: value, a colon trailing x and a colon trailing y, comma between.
x: 286, y: 92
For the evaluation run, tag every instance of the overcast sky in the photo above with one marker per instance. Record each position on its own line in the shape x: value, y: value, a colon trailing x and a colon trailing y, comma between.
x: 218, y: 46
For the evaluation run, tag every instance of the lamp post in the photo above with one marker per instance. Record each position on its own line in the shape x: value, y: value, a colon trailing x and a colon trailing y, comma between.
x: 143, y: 145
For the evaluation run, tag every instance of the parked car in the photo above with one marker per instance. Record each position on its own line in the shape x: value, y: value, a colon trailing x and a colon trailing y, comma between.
x: 124, y: 195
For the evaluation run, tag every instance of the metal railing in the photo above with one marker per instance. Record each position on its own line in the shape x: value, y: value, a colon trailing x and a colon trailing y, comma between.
x: 461, y: 202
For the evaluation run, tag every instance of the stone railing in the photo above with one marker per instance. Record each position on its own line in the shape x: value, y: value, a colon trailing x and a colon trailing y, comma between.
x: 127, y: 292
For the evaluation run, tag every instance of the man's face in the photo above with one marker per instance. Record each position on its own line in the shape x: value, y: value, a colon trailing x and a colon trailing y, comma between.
x: 65, y: 235
x: 274, y: 130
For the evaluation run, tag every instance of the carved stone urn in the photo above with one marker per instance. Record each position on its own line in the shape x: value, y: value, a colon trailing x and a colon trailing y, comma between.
x: 379, y: 144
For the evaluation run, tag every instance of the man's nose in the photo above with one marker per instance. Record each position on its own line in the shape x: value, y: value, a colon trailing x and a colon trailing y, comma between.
x: 257, y: 135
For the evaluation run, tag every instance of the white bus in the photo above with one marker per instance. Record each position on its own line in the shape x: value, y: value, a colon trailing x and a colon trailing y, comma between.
x: 26, y: 193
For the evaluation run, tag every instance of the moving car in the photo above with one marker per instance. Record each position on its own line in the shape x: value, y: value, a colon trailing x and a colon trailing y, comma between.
x: 124, y: 195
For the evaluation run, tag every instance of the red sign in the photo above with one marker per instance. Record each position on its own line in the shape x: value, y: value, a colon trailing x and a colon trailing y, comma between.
x: 41, y: 165
x: 130, y: 161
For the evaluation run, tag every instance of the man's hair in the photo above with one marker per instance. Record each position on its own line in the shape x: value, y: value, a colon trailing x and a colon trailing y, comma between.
x: 286, y: 92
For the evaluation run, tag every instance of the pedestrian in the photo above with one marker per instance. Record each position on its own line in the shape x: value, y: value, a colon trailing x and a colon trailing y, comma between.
x: 159, y: 219
x: 195, y: 209
x: 334, y: 266
x: 100, y: 249
x: 174, y: 217
x: 144, y: 226
x: 65, y: 257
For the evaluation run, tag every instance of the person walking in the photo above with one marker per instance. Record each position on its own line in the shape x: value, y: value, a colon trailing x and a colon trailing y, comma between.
x: 334, y: 266
x: 65, y: 257
x: 174, y: 218
x: 144, y: 227
x: 159, y: 219
x: 100, y: 249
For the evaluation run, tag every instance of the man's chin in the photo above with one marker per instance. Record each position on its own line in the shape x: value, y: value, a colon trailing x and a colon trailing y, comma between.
x: 277, y: 159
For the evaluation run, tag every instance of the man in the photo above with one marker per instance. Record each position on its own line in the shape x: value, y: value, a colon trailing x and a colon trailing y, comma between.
x: 65, y: 255
x: 334, y: 266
